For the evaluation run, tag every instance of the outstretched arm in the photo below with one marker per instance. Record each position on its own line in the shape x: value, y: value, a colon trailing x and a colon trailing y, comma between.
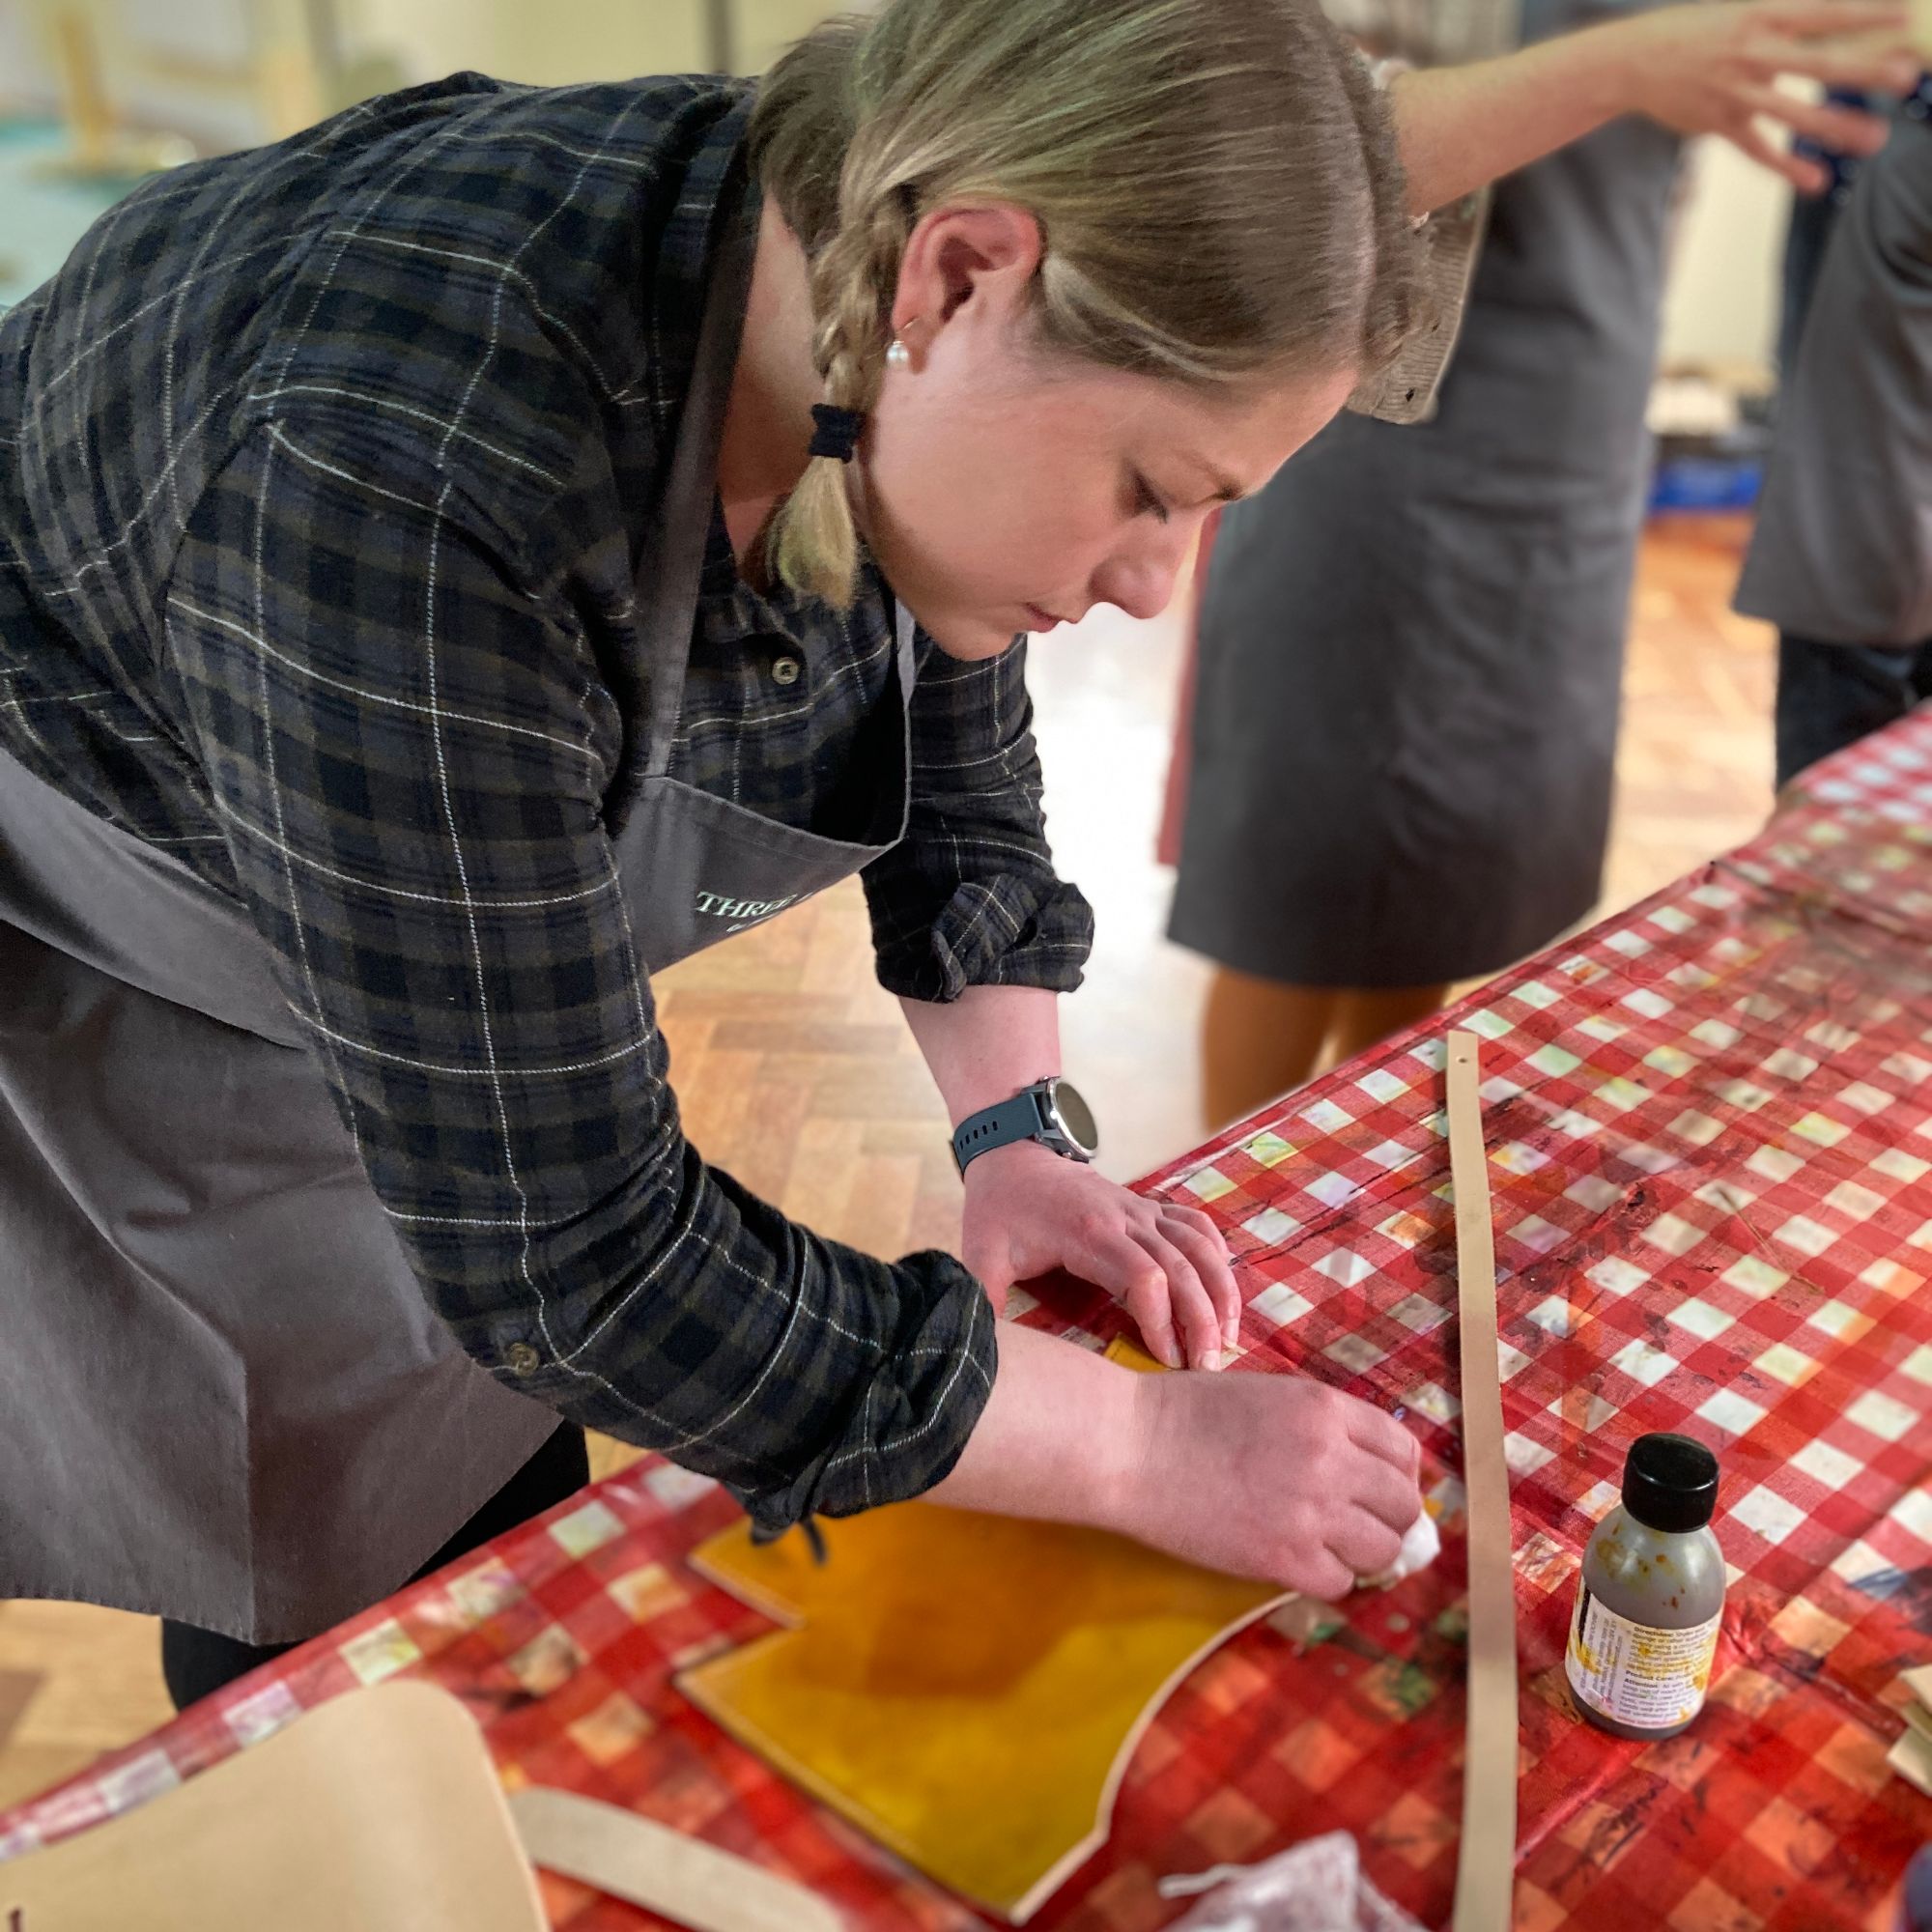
x: 1710, y: 68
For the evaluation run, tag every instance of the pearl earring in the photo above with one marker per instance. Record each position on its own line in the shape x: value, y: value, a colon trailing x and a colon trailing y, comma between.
x: 897, y: 354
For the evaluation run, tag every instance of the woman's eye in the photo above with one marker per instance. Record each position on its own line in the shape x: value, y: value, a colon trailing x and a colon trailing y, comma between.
x: 1146, y: 502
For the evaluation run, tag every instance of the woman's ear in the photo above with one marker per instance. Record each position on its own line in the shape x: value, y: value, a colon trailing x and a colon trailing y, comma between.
x: 957, y: 257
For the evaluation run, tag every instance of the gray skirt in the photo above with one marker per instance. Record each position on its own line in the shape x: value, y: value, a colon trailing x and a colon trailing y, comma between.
x: 1411, y: 646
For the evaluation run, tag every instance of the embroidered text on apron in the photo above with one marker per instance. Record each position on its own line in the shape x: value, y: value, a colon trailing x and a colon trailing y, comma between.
x: 227, y: 1400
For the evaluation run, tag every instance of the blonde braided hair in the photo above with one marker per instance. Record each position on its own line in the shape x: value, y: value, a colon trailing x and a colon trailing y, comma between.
x: 1216, y: 182
x: 814, y: 543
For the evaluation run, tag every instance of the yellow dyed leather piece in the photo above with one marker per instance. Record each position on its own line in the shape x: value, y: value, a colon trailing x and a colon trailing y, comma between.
x: 966, y: 1688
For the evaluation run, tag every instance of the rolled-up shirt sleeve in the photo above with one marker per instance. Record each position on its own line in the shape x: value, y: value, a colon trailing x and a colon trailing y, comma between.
x: 407, y: 749
x: 1406, y: 390
x: 969, y: 897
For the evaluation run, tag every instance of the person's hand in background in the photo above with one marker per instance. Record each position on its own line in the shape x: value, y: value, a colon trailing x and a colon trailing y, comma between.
x: 1713, y: 69
x: 1709, y: 67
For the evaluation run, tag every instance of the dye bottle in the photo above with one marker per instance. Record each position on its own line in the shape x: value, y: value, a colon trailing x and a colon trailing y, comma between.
x: 1651, y: 1595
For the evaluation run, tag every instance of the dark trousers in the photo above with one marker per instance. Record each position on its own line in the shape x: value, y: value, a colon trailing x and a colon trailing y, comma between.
x: 1831, y: 695
x: 196, y: 1662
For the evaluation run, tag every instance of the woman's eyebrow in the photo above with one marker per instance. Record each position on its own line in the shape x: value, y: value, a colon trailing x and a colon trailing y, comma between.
x: 1224, y: 490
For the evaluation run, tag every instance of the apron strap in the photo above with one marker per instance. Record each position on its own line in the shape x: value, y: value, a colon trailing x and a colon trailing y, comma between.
x: 673, y: 562
x: 903, y: 634
x: 102, y: 896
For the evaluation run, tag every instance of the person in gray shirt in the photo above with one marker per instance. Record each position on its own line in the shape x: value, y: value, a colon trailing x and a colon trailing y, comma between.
x: 1404, y: 719
x: 1841, y: 560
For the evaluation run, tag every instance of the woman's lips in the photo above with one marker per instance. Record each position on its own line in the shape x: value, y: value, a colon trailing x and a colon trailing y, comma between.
x: 1044, y: 620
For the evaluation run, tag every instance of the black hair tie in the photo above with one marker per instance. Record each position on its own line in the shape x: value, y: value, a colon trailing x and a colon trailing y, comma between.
x: 837, y: 434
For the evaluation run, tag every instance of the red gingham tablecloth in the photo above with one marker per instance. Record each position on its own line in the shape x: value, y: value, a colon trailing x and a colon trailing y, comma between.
x: 1710, y: 1123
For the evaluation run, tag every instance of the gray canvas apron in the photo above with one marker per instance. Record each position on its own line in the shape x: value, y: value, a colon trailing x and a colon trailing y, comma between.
x: 226, y: 1399
x: 1412, y: 642
x: 1842, y: 552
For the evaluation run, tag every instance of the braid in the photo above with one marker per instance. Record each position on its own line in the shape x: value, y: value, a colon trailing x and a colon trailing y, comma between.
x: 814, y: 542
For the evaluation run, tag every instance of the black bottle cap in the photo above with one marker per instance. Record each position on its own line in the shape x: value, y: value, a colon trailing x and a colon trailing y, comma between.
x: 1670, y: 1483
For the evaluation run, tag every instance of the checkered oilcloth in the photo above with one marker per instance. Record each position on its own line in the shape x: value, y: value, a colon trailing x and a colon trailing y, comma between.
x: 326, y: 468
x: 1709, y: 1127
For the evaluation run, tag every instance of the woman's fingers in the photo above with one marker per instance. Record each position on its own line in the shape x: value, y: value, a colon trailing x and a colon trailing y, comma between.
x: 1840, y: 131
x: 1139, y: 1283
x: 1807, y: 176
x: 1869, y: 61
x: 1364, y: 1542
x: 1389, y: 1495
x: 1200, y: 1241
x: 1324, y: 1577
x: 1835, y: 17
x: 1192, y: 1311
x: 1382, y: 1435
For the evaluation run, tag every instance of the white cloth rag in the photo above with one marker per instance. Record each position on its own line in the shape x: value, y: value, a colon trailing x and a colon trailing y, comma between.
x: 1313, y: 1886
x: 1420, y: 1548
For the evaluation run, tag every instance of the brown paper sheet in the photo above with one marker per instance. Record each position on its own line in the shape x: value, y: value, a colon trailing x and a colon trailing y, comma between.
x: 379, y: 1810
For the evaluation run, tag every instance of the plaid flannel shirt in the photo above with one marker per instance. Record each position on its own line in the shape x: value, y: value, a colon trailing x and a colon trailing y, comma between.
x: 326, y: 469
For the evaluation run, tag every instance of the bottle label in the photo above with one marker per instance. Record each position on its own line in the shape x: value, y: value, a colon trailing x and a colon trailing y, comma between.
x: 1635, y: 1673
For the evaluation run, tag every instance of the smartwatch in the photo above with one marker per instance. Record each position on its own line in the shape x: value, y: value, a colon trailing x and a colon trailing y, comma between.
x: 1050, y: 1111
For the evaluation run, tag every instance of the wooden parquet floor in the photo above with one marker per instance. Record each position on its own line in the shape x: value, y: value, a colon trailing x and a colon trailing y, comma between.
x: 796, y: 1072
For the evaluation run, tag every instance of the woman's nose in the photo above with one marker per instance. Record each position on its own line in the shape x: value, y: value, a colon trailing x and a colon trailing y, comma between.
x: 1141, y: 583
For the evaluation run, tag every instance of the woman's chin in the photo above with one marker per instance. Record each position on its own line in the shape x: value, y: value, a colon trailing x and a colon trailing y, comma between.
x: 971, y: 640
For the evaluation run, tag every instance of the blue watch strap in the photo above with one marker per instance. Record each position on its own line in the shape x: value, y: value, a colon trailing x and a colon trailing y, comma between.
x: 1014, y: 1119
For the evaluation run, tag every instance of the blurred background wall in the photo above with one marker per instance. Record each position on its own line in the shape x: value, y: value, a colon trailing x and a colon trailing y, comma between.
x: 230, y: 72
x: 197, y: 66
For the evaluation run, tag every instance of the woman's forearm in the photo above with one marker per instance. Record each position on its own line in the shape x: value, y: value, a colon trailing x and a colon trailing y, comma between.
x: 1710, y: 68
x: 1262, y: 1475
x: 1062, y: 1436
x: 1461, y: 128
x: 986, y: 1046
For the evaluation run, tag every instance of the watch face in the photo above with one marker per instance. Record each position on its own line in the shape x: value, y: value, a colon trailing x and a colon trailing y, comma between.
x: 1073, y: 1116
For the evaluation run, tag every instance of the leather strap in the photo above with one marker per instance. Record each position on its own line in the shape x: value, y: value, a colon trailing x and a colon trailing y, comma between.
x: 671, y: 562
x: 649, y: 1864
x: 1486, y: 1872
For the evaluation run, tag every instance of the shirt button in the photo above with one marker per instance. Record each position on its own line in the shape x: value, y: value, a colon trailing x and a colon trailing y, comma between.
x: 521, y: 1359
x: 785, y: 670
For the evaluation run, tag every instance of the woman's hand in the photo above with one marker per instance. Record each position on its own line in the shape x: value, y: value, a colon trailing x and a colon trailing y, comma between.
x: 1706, y: 67
x: 1029, y: 1211
x: 1273, y: 1476
x: 1270, y: 1476
x: 1711, y: 68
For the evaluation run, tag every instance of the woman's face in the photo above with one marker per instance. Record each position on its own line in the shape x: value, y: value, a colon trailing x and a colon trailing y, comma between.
x: 1005, y: 487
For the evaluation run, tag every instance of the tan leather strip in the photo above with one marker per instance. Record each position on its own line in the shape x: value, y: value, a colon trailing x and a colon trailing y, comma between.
x: 680, y: 1879
x: 1485, y: 1874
